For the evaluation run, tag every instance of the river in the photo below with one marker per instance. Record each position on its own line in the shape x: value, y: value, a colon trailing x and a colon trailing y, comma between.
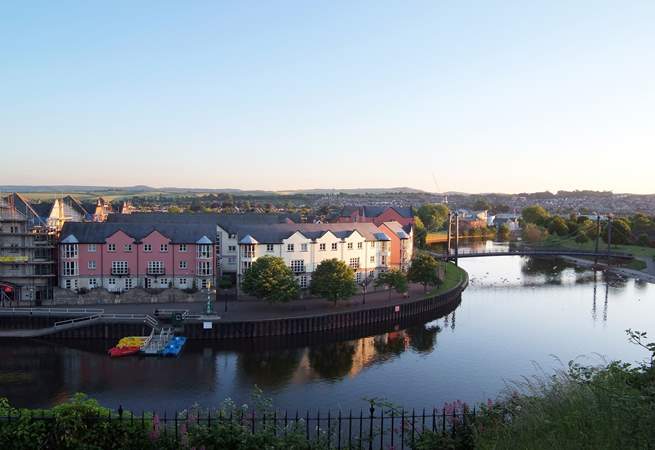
x: 519, y: 317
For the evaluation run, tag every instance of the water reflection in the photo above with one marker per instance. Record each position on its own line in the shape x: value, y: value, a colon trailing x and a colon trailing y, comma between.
x: 517, y: 311
x: 270, y: 369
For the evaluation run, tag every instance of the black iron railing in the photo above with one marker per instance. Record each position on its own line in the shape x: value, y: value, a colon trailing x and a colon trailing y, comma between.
x: 376, y: 429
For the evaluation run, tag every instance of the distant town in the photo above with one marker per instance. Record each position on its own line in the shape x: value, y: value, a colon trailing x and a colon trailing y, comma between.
x: 77, y: 242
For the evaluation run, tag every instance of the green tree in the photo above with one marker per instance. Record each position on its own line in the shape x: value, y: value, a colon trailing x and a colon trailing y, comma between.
x: 582, y: 237
x: 174, y: 209
x: 420, y: 233
x: 558, y: 226
x: 269, y: 278
x: 533, y: 233
x: 423, y: 270
x: 333, y: 280
x: 433, y: 216
x: 534, y: 214
x: 621, y: 232
x: 393, y: 280
x: 481, y: 204
x: 503, y: 232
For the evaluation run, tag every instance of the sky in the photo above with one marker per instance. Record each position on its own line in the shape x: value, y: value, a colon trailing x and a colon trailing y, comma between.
x: 506, y: 96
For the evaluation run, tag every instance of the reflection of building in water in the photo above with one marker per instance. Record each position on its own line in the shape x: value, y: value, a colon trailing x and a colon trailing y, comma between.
x: 365, y: 355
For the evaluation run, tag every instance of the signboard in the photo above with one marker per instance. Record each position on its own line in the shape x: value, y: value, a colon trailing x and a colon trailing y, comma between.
x: 396, y: 308
x: 13, y: 259
x: 207, y: 325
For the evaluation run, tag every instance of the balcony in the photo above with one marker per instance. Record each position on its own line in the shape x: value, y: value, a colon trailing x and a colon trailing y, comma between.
x: 120, y: 272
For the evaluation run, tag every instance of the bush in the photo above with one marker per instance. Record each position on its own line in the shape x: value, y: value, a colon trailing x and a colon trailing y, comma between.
x: 582, y: 238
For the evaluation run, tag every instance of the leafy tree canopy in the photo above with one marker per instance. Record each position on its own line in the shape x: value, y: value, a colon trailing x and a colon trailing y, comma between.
x: 423, y: 270
x: 334, y: 280
x: 269, y: 278
x: 535, y: 214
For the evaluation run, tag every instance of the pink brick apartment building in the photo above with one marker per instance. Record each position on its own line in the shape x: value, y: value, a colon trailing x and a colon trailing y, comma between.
x: 121, y: 256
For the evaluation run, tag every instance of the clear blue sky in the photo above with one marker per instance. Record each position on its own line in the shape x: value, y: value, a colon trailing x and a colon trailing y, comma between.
x: 483, y: 96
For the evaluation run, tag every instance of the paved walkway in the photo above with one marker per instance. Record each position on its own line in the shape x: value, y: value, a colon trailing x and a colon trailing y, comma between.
x: 252, y: 309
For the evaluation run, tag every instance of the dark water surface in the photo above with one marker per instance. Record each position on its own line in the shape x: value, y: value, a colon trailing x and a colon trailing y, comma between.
x: 518, y: 317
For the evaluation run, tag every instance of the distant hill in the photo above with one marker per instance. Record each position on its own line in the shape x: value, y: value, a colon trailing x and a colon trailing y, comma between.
x: 148, y: 189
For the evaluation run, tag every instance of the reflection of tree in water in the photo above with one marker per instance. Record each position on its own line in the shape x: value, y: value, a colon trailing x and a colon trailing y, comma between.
x: 332, y: 361
x: 269, y: 369
x: 551, y: 268
x: 423, y: 338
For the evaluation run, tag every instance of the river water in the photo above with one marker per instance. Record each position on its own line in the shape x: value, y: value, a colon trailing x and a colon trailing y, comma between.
x: 519, y: 317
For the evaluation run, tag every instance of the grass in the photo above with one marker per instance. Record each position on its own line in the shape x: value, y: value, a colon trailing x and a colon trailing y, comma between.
x: 556, y: 241
x: 436, y: 237
x: 636, y: 264
x: 454, y: 275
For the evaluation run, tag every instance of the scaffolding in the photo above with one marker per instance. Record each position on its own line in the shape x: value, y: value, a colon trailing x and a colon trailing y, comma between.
x: 27, y: 251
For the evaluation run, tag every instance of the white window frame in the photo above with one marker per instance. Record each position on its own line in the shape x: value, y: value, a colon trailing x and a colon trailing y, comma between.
x: 71, y: 251
x: 92, y: 248
x: 335, y: 246
x: 93, y: 283
x: 297, y: 265
x: 155, y: 268
x: 127, y: 248
x: 302, y: 282
x: 91, y: 265
x: 163, y: 248
x: 360, y: 245
x: 182, y: 248
x: 204, y: 268
x: 70, y: 269
x: 290, y: 247
x: 232, y: 248
x: 128, y: 283
x: 304, y: 247
x: 322, y: 246
x: 147, y: 248
x: 119, y: 268
x: 350, y: 245
x: 353, y: 263
x: 184, y: 265
x: 111, y: 281
x: 270, y: 248
x: 111, y: 248
x: 204, y: 251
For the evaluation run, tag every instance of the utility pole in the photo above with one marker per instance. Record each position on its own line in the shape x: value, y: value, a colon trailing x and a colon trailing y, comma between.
x: 450, y: 223
x: 456, y: 238
x: 609, y: 237
x: 597, y: 239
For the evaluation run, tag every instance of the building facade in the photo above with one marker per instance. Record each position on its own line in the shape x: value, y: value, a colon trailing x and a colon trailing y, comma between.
x: 119, y: 257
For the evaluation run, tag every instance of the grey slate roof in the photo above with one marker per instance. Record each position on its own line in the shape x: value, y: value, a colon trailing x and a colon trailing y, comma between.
x: 271, y: 234
x: 226, y: 221
x: 98, y: 232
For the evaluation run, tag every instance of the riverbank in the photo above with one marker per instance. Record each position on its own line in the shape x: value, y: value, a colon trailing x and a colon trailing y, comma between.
x: 624, y: 271
x: 250, y: 318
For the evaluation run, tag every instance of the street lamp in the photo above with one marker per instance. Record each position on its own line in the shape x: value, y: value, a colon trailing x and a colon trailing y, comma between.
x: 209, y: 307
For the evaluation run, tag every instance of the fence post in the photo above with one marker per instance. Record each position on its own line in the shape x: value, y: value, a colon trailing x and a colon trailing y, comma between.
x: 329, y: 432
x: 402, y: 428
x: 413, y: 425
x: 254, y: 413
x: 434, y: 420
x: 370, y: 429
x: 361, y: 420
x: 176, y: 436
x: 393, y: 431
x: 318, y: 423
x: 350, y: 428
x: 443, y: 421
x: 307, y: 426
x: 339, y: 432
x: 382, y: 429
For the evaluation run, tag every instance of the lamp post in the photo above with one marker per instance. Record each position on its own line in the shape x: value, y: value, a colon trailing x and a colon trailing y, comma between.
x: 209, y: 307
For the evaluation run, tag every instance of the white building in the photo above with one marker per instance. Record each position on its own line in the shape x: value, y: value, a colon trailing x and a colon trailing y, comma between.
x: 304, y: 246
